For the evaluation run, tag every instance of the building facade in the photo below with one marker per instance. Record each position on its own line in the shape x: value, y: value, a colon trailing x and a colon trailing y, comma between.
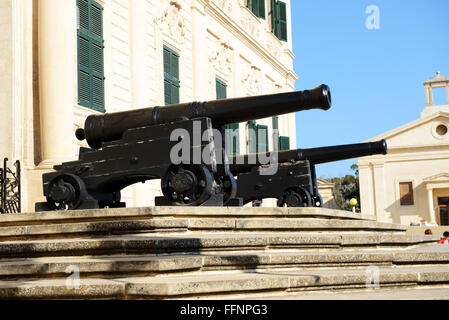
x: 411, y: 182
x: 62, y: 60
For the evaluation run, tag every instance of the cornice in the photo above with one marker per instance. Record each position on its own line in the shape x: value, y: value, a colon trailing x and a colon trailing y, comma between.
x: 242, y: 35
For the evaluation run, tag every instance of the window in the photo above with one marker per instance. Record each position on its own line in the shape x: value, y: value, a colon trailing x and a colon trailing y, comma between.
x: 232, y: 145
x: 221, y: 89
x: 171, y: 76
x: 406, y: 193
x: 257, y: 7
x: 275, y: 121
x: 443, y: 211
x: 279, y: 19
x: 284, y: 143
x: 90, y: 55
x: 257, y: 137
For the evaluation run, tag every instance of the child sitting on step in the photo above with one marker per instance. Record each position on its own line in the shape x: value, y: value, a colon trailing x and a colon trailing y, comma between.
x: 445, y: 238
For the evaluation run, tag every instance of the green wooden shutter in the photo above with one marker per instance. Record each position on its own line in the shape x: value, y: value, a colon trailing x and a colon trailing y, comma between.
x: 262, y: 138
x: 257, y: 137
x: 171, y: 76
x: 282, y: 21
x: 257, y: 7
x: 261, y: 9
x: 284, y: 143
x: 90, y: 55
x: 232, y: 144
x: 221, y: 89
x: 252, y: 137
x: 279, y: 19
x: 275, y: 121
x: 234, y: 138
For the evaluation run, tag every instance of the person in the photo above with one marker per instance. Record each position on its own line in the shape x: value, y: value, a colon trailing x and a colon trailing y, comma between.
x: 428, y: 231
x: 445, y: 238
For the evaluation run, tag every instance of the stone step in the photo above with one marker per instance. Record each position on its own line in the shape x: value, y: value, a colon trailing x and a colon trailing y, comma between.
x: 398, y: 293
x: 87, y: 229
x: 182, y: 243
x: 222, y: 283
x: 151, y: 265
x: 64, y: 230
x: 112, y: 214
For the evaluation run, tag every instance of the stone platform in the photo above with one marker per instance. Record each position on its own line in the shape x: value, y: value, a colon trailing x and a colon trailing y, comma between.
x: 203, y: 253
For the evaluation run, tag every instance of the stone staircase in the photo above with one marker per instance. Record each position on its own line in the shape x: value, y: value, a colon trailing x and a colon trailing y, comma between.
x: 209, y: 253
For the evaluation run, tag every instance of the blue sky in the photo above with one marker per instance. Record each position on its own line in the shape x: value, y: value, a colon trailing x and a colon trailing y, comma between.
x: 376, y: 76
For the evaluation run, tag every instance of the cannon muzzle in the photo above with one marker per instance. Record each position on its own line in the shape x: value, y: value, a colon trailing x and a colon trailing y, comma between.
x: 245, y: 163
x: 343, y: 152
x: 111, y: 126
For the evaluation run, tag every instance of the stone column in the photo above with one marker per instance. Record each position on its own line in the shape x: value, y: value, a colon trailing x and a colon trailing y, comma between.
x: 429, y: 95
x: 367, y: 190
x: 430, y: 92
x: 431, y: 209
x: 140, y: 60
x: 57, y: 79
x: 200, y: 53
x: 379, y: 193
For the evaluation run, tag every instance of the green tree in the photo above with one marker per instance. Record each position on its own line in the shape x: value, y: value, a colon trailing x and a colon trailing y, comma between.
x: 346, y: 188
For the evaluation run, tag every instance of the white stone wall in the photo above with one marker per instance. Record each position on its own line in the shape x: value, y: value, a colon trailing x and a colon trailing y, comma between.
x: 214, y: 38
x: 6, y: 79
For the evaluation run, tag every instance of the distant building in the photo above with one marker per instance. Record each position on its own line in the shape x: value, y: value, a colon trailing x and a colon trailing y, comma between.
x: 326, y: 190
x: 411, y: 183
x: 62, y: 60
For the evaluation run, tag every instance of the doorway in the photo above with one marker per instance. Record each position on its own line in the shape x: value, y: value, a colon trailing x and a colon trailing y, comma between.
x: 443, y: 211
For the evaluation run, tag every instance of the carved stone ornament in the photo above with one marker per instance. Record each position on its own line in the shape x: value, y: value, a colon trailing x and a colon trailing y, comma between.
x: 225, y: 5
x: 221, y: 57
x: 171, y: 20
x: 249, y: 23
x: 273, y: 46
x: 272, y: 87
x: 251, y: 79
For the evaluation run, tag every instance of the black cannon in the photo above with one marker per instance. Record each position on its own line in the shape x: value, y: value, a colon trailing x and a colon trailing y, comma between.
x: 139, y: 145
x: 294, y: 181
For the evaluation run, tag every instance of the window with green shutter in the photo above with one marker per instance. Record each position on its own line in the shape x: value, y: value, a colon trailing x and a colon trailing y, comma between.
x: 221, y: 89
x: 171, y: 76
x: 257, y: 137
x: 279, y: 19
x: 232, y: 143
x: 90, y: 55
x: 275, y: 121
x: 232, y: 139
x: 257, y: 7
x: 252, y: 137
x: 262, y: 138
x: 284, y: 143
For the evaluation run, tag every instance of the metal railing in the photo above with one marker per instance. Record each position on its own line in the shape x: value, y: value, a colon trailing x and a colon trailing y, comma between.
x: 10, y: 188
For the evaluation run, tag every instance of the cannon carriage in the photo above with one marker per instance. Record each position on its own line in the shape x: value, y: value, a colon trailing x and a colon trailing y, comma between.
x: 294, y: 183
x: 136, y: 146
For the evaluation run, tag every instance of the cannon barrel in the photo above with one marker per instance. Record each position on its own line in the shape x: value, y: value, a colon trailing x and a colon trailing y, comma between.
x: 244, y: 163
x: 111, y: 126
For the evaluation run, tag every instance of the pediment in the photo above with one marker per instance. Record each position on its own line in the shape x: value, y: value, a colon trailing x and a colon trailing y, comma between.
x: 441, y: 177
x: 422, y: 132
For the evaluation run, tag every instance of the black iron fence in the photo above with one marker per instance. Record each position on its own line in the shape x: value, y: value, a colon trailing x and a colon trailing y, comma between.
x: 10, y: 188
